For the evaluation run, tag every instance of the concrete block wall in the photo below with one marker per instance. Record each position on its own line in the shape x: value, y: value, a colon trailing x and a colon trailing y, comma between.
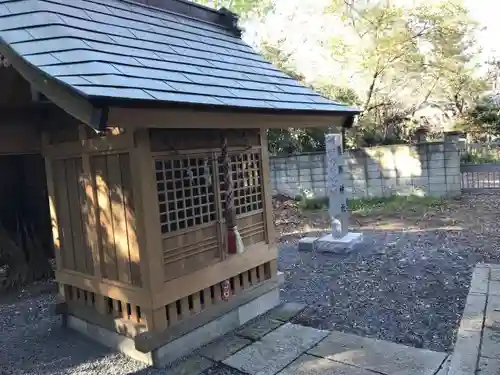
x: 427, y: 169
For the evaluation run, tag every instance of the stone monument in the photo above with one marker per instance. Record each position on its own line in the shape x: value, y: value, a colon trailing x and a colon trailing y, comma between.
x: 340, y: 239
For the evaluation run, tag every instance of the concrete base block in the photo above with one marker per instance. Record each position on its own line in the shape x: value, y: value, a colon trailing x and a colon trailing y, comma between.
x: 186, y: 344
x: 332, y: 244
x: 110, y: 339
x: 307, y: 243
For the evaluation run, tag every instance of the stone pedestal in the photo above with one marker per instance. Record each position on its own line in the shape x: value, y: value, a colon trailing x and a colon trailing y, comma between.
x: 340, y: 239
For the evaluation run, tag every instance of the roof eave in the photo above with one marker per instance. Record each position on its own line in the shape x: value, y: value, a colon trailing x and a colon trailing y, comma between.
x: 100, y: 101
x: 66, y: 97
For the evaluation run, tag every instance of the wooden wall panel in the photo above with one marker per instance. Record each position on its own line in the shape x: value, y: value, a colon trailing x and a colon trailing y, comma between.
x: 190, y: 251
x: 129, y: 209
x: 252, y: 228
x: 118, y: 218
x: 117, y: 234
x: 71, y: 204
x: 73, y: 168
x: 62, y: 204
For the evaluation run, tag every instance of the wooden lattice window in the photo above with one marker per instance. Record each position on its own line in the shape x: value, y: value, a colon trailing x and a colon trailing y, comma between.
x: 185, y: 192
x: 247, y: 182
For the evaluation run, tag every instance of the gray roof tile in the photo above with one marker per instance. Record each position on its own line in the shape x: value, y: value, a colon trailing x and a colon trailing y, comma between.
x: 79, y: 69
x: 151, y: 73
x: 58, y: 31
x: 165, y: 65
x: 236, y: 102
x: 125, y: 50
x: 42, y: 59
x: 76, y: 56
x: 49, y: 45
x: 184, y: 98
x: 29, y: 20
x: 4, y: 11
x: 251, y: 94
x: 14, y: 36
x: 113, y: 92
x: 200, y: 89
x: 74, y: 80
x: 121, y: 81
x: 87, y: 5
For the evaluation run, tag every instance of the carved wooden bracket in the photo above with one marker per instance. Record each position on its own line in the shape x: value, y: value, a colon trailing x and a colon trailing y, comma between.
x: 4, y: 63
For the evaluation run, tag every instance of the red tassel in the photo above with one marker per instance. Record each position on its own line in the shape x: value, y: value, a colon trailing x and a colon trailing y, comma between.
x: 232, y: 247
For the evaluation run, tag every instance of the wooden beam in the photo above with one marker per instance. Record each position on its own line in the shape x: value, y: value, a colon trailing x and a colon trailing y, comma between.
x: 184, y: 286
x: 112, y: 289
x: 109, y: 144
x: 153, y: 340
x: 19, y: 137
x: 170, y: 118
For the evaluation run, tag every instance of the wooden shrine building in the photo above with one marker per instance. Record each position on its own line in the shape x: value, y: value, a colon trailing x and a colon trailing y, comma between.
x: 152, y: 123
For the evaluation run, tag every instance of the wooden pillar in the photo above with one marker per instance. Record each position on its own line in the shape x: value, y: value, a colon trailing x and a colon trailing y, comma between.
x: 90, y: 190
x: 148, y: 223
x: 52, y: 202
x: 267, y: 190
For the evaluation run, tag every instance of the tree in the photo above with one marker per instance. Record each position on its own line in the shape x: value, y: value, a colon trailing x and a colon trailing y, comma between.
x: 288, y: 141
x: 406, y: 55
x: 483, y: 119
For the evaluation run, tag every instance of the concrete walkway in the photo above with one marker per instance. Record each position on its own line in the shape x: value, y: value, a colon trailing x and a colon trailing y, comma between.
x: 272, y: 345
x: 477, y: 349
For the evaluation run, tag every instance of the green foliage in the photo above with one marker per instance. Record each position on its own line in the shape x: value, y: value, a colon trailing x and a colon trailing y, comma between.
x: 482, y: 119
x: 395, y: 204
x: 406, y: 55
x: 480, y: 157
x: 313, y: 204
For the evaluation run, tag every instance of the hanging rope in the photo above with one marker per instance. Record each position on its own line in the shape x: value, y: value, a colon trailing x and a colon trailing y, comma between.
x: 228, y: 184
x: 233, y: 239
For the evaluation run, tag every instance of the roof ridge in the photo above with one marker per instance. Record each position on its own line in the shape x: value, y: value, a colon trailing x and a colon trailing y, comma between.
x: 222, y: 17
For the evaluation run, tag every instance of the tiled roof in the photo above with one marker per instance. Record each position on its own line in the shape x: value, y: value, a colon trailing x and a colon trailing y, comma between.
x: 119, y: 49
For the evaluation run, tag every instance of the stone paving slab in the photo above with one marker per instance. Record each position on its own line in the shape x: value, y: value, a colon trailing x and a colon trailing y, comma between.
x: 494, y: 289
x: 376, y: 355
x: 479, y: 281
x: 479, y: 332
x: 219, y: 369
x: 193, y: 365
x: 473, y: 315
x: 495, y: 274
x: 490, y: 345
x: 488, y: 366
x: 258, y: 328
x: 492, y: 319
x: 224, y: 347
x: 276, y: 350
x: 310, y: 365
x: 286, y: 311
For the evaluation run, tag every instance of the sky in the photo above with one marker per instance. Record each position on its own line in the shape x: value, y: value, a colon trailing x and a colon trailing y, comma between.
x: 486, y: 12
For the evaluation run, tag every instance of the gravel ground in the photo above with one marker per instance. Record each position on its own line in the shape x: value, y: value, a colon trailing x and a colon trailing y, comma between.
x: 33, y: 342
x: 407, y: 285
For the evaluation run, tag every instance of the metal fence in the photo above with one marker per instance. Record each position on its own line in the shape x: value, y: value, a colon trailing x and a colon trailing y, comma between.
x: 480, y: 177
